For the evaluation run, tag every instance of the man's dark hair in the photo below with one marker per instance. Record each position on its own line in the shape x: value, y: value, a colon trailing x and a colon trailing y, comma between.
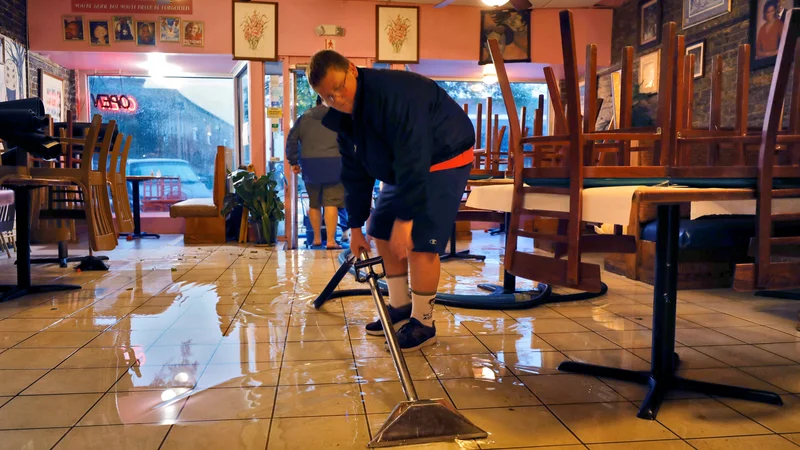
x: 322, y: 62
x: 319, y: 100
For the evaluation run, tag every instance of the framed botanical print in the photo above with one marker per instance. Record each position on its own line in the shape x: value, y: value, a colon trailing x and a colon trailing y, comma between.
x: 512, y: 29
x: 649, y: 23
x: 698, y: 11
x: 766, y: 27
x: 648, y: 72
x: 255, y: 31
x: 397, y: 34
x: 51, y: 92
x: 698, y: 50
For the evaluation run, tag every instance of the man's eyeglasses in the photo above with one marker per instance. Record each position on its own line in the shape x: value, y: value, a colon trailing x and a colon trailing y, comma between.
x: 336, y: 92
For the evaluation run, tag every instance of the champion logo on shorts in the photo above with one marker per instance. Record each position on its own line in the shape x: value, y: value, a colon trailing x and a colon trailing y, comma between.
x: 433, y: 241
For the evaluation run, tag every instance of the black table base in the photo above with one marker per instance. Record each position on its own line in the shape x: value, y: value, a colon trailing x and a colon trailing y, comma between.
x: 453, y: 254
x: 63, y: 257
x: 137, y: 217
x: 664, y: 362
x: 22, y: 201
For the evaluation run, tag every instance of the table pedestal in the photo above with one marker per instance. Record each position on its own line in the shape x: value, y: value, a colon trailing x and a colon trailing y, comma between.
x: 464, y: 254
x: 137, y: 216
x: 664, y: 361
x: 22, y: 201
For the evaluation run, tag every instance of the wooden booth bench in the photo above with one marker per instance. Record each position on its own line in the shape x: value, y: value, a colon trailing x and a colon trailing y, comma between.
x: 204, y: 222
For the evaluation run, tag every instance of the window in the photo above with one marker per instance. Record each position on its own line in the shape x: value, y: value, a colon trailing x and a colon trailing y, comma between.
x: 175, y: 126
x: 525, y: 94
x: 242, y: 86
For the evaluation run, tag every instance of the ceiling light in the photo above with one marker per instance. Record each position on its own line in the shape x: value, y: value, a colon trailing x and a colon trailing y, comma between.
x: 489, y: 74
x: 494, y: 3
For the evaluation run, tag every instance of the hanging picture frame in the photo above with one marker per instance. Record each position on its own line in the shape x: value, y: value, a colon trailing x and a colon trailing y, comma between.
x: 649, y: 23
x: 698, y: 50
x: 512, y: 29
x: 52, y: 94
x: 255, y: 31
x: 766, y: 27
x: 648, y: 72
x: 696, y: 12
x: 397, y: 34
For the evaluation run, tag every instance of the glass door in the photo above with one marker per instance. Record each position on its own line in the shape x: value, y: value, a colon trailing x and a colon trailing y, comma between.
x: 243, y: 117
x: 304, y: 98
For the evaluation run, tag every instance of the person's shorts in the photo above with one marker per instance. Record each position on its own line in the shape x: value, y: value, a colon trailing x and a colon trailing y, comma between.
x: 324, y: 195
x: 432, y: 229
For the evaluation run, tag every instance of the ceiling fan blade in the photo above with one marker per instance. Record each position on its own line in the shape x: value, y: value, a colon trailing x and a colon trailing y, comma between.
x: 443, y: 3
x: 521, y: 5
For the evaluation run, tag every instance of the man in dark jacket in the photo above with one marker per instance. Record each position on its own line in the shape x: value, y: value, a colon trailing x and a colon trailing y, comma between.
x: 404, y: 130
x: 318, y: 157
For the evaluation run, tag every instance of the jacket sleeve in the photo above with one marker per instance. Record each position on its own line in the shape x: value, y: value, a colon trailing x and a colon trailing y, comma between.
x: 358, y: 186
x: 292, y: 148
x: 408, y: 131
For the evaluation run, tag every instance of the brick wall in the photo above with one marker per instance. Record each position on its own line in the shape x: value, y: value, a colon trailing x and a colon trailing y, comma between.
x: 13, y: 24
x: 722, y: 36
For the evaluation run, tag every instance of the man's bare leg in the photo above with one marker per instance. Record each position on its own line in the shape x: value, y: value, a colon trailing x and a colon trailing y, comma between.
x: 331, y: 224
x: 315, y: 216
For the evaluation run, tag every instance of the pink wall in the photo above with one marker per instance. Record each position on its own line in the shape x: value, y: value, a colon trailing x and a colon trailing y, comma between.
x: 449, y: 33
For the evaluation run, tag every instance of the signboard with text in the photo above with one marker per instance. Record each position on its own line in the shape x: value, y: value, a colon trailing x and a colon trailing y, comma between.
x: 133, y: 6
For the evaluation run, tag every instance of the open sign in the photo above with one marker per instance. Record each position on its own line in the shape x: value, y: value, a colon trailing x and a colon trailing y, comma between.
x: 115, y: 103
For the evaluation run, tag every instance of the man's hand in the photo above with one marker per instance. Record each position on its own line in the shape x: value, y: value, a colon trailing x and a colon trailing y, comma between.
x: 358, y: 242
x: 401, y: 242
x: 296, y: 169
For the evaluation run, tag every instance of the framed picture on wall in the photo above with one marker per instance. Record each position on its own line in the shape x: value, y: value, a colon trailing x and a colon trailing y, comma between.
x: 194, y: 34
x: 698, y: 11
x: 123, y: 28
x: 698, y: 50
x: 766, y: 27
x: 51, y: 92
x: 73, y: 28
x: 397, y: 34
x: 255, y: 31
x: 649, y: 23
x: 98, y: 32
x: 648, y: 72
x: 146, y: 33
x: 512, y: 29
x: 169, y: 29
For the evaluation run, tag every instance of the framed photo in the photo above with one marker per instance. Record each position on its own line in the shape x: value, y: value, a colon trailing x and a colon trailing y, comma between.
x: 397, y: 34
x: 255, y: 31
x: 169, y: 29
x: 698, y: 50
x: 145, y: 33
x: 649, y: 23
x: 766, y: 27
x: 512, y: 29
x: 73, y: 28
x: 98, y: 32
x: 123, y: 28
x: 14, y: 68
x: 648, y: 72
x: 51, y: 91
x: 698, y: 11
x: 194, y: 33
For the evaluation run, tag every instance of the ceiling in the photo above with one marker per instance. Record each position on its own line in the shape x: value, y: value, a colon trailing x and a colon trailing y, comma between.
x: 128, y: 62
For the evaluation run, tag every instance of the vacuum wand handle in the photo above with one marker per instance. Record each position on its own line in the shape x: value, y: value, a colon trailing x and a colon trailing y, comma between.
x: 391, y: 335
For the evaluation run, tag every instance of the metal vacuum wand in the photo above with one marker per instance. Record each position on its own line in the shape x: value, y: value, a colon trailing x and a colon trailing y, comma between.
x: 413, y: 421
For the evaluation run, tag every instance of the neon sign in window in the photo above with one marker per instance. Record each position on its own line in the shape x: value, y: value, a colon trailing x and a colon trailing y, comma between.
x: 115, y: 103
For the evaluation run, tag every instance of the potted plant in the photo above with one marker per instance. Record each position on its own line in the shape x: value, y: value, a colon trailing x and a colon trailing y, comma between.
x: 260, y: 196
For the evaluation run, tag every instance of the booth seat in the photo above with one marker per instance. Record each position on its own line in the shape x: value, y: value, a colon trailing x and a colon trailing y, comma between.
x: 204, y: 222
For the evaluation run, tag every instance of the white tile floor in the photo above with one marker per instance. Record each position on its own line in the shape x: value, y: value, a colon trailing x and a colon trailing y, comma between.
x: 217, y: 347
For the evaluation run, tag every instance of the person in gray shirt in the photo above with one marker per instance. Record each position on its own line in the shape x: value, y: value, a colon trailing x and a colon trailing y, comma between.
x: 312, y: 149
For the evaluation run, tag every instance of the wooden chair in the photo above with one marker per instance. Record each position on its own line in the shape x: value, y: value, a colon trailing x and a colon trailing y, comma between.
x: 119, y: 184
x: 89, y: 199
x: 204, y: 223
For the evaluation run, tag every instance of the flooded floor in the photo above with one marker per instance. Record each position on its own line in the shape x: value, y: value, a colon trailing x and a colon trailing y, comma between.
x: 209, y: 347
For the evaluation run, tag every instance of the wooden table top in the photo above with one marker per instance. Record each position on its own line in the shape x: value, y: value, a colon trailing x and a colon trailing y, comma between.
x: 26, y: 181
x: 148, y: 177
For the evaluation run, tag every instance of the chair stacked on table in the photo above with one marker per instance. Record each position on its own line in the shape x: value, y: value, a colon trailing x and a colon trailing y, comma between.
x: 672, y: 141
